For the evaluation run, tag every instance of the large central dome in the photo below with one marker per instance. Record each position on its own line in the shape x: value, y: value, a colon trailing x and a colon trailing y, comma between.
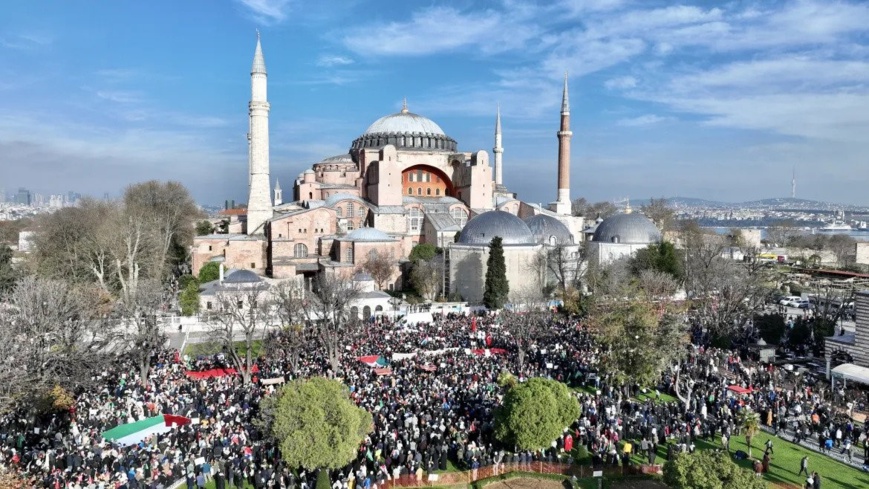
x: 405, y: 130
x: 405, y: 122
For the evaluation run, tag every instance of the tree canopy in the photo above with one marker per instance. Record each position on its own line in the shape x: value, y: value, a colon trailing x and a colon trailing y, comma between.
x: 535, y: 413
x: 209, y: 272
x: 423, y: 252
x: 639, y: 338
x: 497, y: 286
x: 7, y: 271
x: 661, y: 257
x: 705, y: 469
x: 317, y: 425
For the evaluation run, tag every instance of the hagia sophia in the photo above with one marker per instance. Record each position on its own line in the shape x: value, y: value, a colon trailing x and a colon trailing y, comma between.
x: 402, y: 182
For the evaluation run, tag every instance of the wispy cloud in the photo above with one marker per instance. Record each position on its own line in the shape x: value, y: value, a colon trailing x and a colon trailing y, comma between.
x: 26, y: 41
x: 267, y: 12
x: 329, y: 60
x: 643, y: 120
x: 620, y: 83
x: 120, y: 96
x: 438, y: 29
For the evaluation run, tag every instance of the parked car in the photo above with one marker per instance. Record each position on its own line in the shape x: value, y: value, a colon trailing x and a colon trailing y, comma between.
x: 804, y: 304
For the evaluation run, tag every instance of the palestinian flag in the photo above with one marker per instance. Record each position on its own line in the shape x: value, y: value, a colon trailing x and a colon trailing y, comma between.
x: 374, y: 361
x: 132, y: 433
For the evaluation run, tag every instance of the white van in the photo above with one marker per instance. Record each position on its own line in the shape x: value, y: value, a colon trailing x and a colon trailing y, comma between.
x: 789, y: 299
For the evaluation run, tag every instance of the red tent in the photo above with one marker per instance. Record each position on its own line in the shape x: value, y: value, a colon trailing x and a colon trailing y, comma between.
x: 739, y: 390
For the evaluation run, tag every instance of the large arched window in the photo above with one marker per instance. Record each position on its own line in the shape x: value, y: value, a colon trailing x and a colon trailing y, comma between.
x: 459, y: 215
x: 300, y: 250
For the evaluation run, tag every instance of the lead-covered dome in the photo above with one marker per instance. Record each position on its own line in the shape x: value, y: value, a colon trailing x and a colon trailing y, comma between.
x: 405, y: 130
x: 367, y: 234
x: 481, y: 229
x: 627, y: 229
x: 549, y: 230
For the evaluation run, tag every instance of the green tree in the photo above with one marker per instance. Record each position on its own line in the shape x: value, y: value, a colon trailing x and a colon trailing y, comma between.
x: 323, y: 481
x: 771, y: 327
x: 204, y: 227
x: 660, y: 212
x: 316, y: 424
x: 7, y: 271
x: 497, y: 286
x: 749, y: 422
x: 189, y: 299
x: 661, y: 257
x: 534, y: 413
x: 639, y: 338
x: 209, y: 272
x: 708, y: 470
x: 423, y: 252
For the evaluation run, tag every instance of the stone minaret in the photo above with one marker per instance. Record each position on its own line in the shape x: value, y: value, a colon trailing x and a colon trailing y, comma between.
x: 279, y: 199
x: 498, y: 150
x: 259, y: 203
x: 562, y: 204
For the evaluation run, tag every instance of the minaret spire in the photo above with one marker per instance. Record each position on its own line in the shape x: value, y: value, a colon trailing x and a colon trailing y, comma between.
x: 279, y: 198
x: 259, y: 202
x: 794, y: 184
x: 404, y: 106
x: 562, y: 204
x: 498, y: 150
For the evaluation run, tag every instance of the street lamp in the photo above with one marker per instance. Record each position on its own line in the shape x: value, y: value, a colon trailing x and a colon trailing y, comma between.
x: 395, y: 302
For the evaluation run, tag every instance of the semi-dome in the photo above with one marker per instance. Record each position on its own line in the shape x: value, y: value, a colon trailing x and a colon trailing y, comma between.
x: 630, y: 228
x: 367, y: 234
x: 481, y: 229
x: 549, y: 230
x: 405, y: 130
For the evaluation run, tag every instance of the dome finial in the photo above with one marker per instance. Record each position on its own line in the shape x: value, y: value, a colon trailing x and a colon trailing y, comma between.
x: 404, y: 106
x: 628, y: 209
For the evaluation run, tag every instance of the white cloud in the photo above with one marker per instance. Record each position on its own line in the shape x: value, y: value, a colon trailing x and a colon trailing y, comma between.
x: 438, y: 29
x: 329, y: 60
x: 643, y: 120
x: 30, y: 40
x: 620, y: 83
x: 267, y: 11
x: 120, y: 96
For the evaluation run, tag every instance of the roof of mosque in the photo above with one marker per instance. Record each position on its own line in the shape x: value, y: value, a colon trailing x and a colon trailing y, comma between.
x: 481, y: 229
x: 629, y: 228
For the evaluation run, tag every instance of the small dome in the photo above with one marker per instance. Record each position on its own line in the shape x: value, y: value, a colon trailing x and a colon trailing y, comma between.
x: 242, y: 277
x: 307, y: 172
x: 367, y: 234
x: 481, y: 229
x: 628, y: 229
x: 342, y: 158
x: 546, y: 228
x: 363, y: 277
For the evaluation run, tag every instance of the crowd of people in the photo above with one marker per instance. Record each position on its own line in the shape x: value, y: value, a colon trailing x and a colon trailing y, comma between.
x: 434, y: 407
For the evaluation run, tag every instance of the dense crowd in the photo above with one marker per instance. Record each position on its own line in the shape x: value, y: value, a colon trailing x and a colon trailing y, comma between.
x: 434, y: 407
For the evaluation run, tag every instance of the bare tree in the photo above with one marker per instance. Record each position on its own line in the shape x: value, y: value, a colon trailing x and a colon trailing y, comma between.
x: 380, y: 266
x: 137, y: 313
x: 289, y: 306
x: 53, y: 336
x: 559, y: 265
x: 241, y: 311
x: 525, y: 321
x: 660, y: 212
x: 328, y: 310
x: 582, y: 207
x: 427, y: 277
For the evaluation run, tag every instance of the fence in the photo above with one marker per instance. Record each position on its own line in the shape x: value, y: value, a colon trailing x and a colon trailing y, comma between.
x: 470, y: 476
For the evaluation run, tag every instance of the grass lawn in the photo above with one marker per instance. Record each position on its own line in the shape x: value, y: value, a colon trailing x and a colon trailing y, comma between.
x: 651, y: 395
x: 785, y: 463
x: 194, y: 350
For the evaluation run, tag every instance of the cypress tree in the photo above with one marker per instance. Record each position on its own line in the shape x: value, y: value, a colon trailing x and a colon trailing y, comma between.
x: 497, y: 286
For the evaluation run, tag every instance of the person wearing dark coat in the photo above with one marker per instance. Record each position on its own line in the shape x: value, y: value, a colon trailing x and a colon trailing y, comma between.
x: 219, y: 480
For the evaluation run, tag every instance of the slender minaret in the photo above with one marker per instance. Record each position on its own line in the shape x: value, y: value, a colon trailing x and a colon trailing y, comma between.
x: 794, y: 184
x: 259, y: 203
x: 562, y: 204
x: 279, y: 199
x: 498, y: 150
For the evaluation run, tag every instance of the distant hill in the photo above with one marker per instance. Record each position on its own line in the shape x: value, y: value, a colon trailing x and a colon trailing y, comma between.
x: 772, y: 203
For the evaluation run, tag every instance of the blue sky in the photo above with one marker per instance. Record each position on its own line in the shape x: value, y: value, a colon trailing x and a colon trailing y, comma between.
x: 718, y: 100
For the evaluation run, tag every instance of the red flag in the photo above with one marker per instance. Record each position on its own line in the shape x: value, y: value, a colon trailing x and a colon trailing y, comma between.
x: 473, y: 325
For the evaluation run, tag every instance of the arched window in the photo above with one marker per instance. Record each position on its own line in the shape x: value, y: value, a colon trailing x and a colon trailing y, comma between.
x: 300, y: 250
x: 553, y: 240
x: 419, y: 191
x: 350, y: 209
x: 409, y: 191
x: 349, y: 255
x: 437, y: 191
x: 361, y: 211
x: 339, y: 212
x: 414, y: 219
x: 460, y: 216
x: 428, y: 191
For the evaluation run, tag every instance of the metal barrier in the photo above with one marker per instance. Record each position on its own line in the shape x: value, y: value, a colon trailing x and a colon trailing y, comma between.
x: 473, y: 475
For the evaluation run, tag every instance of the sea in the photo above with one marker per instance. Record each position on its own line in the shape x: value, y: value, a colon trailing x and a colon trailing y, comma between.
x: 857, y: 235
